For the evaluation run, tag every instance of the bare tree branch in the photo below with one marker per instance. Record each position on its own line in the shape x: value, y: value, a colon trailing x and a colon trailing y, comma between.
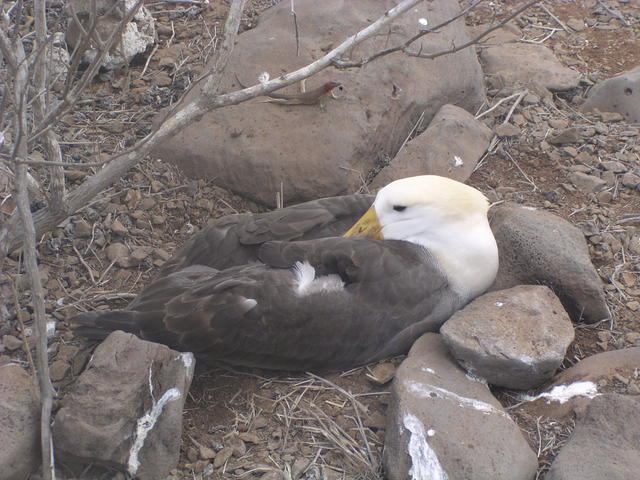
x: 185, y: 113
x: 72, y: 96
x: 20, y: 87
x: 342, y: 64
x: 51, y: 146
x: 474, y: 40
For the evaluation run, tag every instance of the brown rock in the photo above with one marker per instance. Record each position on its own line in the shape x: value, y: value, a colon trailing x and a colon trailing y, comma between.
x: 11, y: 343
x: 222, y: 457
x: 382, y: 373
x: 450, y: 147
x: 594, y: 369
x: 118, y: 228
x: 82, y: 228
x: 527, y: 65
x: 19, y: 424
x: 586, y: 183
x: 507, y: 130
x: 568, y: 135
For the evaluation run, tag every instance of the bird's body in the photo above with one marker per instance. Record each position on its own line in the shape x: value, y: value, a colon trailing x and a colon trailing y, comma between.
x: 267, y: 290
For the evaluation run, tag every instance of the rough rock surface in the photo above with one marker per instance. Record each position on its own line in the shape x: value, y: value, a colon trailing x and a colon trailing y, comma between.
x: 325, y: 152
x: 604, y: 444
x: 450, y: 147
x: 619, y: 94
x: 19, y: 424
x: 515, y: 338
x: 125, y: 410
x: 514, y: 65
x: 621, y: 363
x: 537, y: 247
x: 136, y: 36
x: 443, y: 424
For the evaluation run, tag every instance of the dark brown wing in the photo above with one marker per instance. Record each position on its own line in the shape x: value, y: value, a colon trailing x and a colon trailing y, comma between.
x: 252, y: 315
x: 235, y: 239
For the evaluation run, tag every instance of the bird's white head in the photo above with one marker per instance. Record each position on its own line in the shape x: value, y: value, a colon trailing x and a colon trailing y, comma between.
x: 446, y: 217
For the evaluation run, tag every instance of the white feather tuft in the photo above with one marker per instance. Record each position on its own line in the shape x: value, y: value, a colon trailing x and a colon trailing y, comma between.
x: 307, y: 283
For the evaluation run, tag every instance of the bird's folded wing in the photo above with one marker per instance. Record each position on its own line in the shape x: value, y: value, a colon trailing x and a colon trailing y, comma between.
x: 234, y: 239
x: 373, y: 266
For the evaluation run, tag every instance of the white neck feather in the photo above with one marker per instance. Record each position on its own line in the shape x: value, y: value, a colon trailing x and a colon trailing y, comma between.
x: 465, y: 250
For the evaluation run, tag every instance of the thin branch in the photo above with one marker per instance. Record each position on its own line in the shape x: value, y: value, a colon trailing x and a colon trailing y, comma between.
x: 521, y: 95
x: 615, y: 14
x: 404, y: 45
x: 557, y: 20
x: 474, y: 40
x: 51, y: 146
x: 21, y: 85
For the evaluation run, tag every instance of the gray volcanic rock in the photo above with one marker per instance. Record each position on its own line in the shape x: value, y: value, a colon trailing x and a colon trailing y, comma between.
x: 537, y: 247
x: 450, y: 147
x: 443, y: 424
x: 620, y: 94
x: 514, y: 338
x: 605, y: 443
x: 257, y: 148
x: 19, y: 424
x: 125, y: 410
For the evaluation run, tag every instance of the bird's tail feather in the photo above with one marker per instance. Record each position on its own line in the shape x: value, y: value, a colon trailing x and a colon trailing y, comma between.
x: 98, y: 325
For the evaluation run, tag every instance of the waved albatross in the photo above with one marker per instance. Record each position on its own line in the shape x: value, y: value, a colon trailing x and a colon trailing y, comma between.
x: 287, y: 290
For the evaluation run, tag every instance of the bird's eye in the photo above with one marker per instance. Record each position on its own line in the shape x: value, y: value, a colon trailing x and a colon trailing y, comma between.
x: 399, y: 208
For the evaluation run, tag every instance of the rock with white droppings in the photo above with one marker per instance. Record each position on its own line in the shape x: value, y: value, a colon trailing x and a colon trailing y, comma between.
x: 515, y: 338
x: 591, y: 370
x: 539, y: 248
x: 125, y: 410
x: 137, y: 35
x: 19, y: 424
x: 451, y: 147
x: 604, y: 444
x: 442, y: 424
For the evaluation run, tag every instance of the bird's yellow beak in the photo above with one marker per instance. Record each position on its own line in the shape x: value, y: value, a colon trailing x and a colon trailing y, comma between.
x: 367, y: 226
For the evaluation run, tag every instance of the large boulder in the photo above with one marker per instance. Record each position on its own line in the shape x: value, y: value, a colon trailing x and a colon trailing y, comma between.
x: 125, y: 410
x: 619, y: 94
x: 450, y: 147
x: 537, y: 247
x: 444, y: 424
x: 256, y: 149
x: 19, y: 424
x: 515, y: 338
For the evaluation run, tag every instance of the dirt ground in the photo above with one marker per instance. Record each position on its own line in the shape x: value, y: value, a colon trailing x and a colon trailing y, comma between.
x: 270, y: 425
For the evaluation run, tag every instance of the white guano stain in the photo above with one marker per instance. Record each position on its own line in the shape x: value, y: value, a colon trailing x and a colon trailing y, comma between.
x: 424, y: 461
x: 431, y: 391
x: 563, y: 393
x: 146, y: 423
